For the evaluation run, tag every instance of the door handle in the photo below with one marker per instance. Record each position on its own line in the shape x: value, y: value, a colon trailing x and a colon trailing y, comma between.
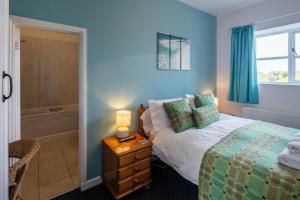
x: 5, y: 75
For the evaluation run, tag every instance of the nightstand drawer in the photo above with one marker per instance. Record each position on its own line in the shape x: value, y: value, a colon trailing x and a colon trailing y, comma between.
x: 125, y: 172
x: 141, y: 178
x: 125, y: 185
x: 134, y: 181
x: 126, y: 160
x: 142, y: 165
x: 133, y: 157
x: 142, y: 154
x: 130, y: 170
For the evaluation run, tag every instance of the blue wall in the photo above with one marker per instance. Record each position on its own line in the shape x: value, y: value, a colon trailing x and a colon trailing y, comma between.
x: 122, y: 55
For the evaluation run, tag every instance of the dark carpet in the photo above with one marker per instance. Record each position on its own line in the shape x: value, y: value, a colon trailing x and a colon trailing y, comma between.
x: 167, y: 184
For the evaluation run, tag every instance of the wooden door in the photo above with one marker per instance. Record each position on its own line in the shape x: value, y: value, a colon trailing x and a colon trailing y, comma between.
x: 4, y: 31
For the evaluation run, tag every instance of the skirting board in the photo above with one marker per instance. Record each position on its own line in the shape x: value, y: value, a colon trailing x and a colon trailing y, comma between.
x: 91, y: 183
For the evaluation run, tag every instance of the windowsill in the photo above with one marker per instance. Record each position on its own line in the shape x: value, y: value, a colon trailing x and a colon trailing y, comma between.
x: 280, y: 84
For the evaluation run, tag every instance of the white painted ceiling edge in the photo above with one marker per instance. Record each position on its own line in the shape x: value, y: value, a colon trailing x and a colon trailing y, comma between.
x: 220, y: 7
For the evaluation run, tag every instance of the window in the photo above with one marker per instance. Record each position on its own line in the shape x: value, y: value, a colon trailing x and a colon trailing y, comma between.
x: 278, y: 57
x: 297, y: 55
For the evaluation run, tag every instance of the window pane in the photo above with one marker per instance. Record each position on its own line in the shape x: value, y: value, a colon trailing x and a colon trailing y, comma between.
x: 298, y: 43
x: 298, y: 69
x: 272, y: 46
x: 272, y: 70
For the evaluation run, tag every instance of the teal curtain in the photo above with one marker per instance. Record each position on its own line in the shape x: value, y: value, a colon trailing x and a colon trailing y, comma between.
x: 243, y: 74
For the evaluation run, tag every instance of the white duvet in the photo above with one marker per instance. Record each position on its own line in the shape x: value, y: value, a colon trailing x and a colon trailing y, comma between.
x: 184, y: 151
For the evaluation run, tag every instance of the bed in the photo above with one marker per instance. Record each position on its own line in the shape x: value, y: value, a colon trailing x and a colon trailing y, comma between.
x: 233, y: 158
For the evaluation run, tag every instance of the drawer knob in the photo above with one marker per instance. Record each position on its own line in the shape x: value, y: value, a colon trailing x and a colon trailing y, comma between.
x: 136, y: 180
x: 136, y: 168
x: 137, y: 157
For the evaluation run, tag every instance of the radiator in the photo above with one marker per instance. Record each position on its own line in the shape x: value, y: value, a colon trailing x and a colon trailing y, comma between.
x: 281, y: 118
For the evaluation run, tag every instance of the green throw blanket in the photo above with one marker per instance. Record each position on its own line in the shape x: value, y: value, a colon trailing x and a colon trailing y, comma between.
x: 244, y: 165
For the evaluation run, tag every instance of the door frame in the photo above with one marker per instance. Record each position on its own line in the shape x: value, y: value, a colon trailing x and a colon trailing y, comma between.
x: 15, y: 70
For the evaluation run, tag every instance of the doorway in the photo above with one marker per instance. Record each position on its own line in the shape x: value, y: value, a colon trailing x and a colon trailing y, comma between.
x: 49, y: 110
x: 48, y: 63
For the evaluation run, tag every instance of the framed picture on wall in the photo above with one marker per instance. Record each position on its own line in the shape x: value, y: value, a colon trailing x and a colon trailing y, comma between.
x: 185, y: 54
x: 173, y: 52
x: 163, y: 49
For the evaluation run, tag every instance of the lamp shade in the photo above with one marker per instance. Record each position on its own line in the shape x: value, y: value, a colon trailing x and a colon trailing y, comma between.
x: 123, y: 118
x: 216, y: 101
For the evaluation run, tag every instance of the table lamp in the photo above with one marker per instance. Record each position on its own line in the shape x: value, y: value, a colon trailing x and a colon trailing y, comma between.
x: 123, y: 121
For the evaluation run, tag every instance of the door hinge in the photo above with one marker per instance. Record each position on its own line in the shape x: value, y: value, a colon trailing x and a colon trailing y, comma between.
x: 17, y: 45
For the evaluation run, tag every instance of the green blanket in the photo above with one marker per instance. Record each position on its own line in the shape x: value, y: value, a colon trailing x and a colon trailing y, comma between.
x: 244, y: 165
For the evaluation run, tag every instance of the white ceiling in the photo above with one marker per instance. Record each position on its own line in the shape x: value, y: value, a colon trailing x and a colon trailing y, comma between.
x: 220, y: 7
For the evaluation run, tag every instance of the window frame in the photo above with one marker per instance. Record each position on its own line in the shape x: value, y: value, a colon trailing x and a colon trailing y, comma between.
x: 293, y: 43
x: 291, y: 56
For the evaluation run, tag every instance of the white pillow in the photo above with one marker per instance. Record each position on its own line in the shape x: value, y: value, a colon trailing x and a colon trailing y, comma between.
x: 147, y: 122
x: 191, y: 99
x: 158, y: 114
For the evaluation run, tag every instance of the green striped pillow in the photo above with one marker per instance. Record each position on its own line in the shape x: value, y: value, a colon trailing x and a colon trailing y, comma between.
x: 204, y: 99
x: 205, y: 115
x: 180, y: 115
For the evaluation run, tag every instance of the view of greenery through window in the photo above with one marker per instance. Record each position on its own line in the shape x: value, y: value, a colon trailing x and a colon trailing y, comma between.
x: 273, y: 70
x: 272, y: 53
x: 273, y: 76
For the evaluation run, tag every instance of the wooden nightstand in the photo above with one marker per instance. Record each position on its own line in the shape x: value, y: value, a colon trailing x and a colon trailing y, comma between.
x: 126, y: 167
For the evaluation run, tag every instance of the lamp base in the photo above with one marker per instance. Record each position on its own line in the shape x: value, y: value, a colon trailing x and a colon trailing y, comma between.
x: 122, y: 132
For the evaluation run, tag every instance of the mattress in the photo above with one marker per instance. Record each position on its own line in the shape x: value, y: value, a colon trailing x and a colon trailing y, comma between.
x: 184, y: 151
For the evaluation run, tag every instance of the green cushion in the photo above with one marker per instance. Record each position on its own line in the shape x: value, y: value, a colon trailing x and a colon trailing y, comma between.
x: 205, y: 115
x: 204, y: 99
x: 180, y: 115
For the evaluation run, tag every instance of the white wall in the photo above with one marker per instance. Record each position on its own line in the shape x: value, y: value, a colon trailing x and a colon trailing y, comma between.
x: 274, y: 97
